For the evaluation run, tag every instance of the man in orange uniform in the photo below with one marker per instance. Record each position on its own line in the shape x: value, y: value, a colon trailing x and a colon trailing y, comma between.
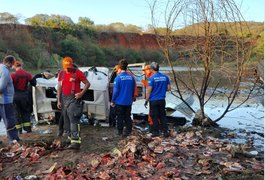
x: 69, y: 96
x: 21, y: 80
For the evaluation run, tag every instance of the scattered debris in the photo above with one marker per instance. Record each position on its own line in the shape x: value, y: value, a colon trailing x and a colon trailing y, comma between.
x: 188, y: 154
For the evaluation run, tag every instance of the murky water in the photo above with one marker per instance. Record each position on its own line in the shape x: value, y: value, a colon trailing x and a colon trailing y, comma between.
x: 247, y: 121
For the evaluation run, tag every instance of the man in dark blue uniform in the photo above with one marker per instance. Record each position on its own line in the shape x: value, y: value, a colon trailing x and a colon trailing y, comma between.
x: 122, y: 98
x: 158, y: 84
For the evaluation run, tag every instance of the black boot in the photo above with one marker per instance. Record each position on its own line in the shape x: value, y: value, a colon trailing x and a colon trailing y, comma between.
x: 75, y: 146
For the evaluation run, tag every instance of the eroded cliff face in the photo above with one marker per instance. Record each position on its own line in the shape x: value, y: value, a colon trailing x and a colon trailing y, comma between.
x: 128, y: 40
x: 135, y: 41
x: 143, y: 41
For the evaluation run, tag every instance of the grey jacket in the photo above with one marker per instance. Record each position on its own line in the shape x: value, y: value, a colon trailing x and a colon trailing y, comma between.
x: 6, y: 85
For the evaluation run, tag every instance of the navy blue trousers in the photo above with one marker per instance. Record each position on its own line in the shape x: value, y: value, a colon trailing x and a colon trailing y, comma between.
x: 124, y: 118
x: 8, y: 115
x: 158, y: 113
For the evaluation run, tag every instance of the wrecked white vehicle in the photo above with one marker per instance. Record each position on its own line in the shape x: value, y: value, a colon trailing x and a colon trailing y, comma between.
x: 97, y: 98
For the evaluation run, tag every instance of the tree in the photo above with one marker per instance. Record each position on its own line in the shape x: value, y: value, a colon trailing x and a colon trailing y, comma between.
x: 73, y: 47
x: 117, y: 27
x: 53, y: 21
x: 85, y: 22
x: 7, y: 18
x: 204, y: 49
x: 133, y: 28
x: 37, y: 20
x: 58, y: 21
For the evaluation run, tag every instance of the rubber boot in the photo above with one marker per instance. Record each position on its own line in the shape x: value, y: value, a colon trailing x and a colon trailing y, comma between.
x: 75, y: 136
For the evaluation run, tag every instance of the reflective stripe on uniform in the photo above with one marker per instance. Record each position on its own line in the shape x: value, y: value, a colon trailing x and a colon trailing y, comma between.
x: 78, y: 127
x: 26, y: 124
x: 19, y: 126
x: 10, y: 129
x: 76, y: 141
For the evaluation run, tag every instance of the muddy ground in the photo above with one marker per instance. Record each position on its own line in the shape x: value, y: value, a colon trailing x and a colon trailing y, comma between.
x: 188, y: 153
x: 94, y: 140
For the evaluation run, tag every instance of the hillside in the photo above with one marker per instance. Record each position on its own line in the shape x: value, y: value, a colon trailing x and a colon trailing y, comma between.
x: 41, y: 47
x: 248, y: 29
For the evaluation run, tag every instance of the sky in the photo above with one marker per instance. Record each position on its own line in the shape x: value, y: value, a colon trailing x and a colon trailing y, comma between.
x: 134, y: 12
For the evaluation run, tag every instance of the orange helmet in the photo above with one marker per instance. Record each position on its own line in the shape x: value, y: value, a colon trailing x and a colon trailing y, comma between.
x: 67, y: 62
x: 17, y: 63
x: 117, y: 69
x: 147, y: 71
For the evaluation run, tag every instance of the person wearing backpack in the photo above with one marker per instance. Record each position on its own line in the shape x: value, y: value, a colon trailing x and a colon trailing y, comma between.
x: 69, y: 95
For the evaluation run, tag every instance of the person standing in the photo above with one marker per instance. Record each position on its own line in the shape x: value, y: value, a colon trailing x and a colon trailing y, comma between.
x: 21, y: 80
x: 158, y: 84
x: 123, y: 97
x: 6, y: 98
x: 45, y: 74
x: 69, y: 95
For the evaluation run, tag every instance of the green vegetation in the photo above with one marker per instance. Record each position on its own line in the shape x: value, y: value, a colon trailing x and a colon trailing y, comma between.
x: 44, y: 40
x: 41, y: 47
x: 251, y: 31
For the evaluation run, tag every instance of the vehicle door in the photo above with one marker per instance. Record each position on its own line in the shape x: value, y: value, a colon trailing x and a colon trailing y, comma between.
x: 137, y: 71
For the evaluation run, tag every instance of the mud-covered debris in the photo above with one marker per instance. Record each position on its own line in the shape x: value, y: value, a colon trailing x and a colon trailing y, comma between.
x: 9, y: 154
x: 232, y: 167
x: 51, y: 169
x: 56, y: 144
x: 95, y: 163
x: 188, y: 155
x: 117, y: 152
x: 103, y: 175
x: 159, y: 149
x: 31, y: 177
x: 105, y: 138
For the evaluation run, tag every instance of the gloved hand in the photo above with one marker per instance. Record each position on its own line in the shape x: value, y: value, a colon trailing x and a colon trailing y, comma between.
x: 145, y: 104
